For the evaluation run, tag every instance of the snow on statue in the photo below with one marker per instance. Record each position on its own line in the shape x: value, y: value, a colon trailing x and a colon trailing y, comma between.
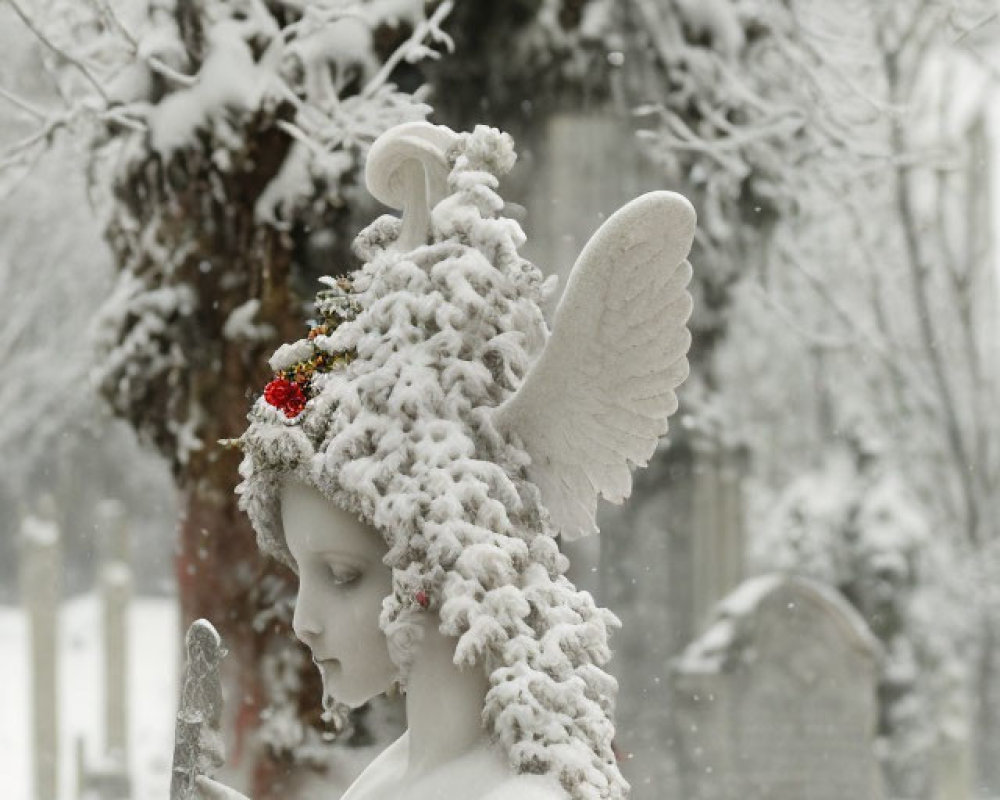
x: 417, y: 454
x: 197, y: 743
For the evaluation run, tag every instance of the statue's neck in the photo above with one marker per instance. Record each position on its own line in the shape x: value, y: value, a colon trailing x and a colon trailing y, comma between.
x: 443, y: 705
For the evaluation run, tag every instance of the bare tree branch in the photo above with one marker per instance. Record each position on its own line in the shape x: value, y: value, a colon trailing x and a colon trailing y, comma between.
x: 916, y: 261
x: 24, y: 105
x: 112, y: 20
x: 976, y: 27
x: 430, y: 27
x: 69, y: 57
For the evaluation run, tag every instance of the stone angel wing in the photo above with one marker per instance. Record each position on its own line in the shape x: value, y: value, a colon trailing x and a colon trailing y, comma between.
x: 597, y: 399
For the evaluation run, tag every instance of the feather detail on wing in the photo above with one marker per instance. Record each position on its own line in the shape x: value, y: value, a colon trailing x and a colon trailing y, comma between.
x: 597, y: 400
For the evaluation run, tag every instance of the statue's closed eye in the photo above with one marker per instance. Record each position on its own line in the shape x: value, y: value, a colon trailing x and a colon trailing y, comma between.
x: 343, y: 575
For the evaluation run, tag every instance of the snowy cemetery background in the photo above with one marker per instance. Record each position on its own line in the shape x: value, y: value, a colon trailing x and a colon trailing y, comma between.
x: 809, y: 562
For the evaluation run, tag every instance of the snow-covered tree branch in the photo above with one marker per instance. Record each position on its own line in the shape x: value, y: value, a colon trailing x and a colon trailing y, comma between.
x: 222, y: 143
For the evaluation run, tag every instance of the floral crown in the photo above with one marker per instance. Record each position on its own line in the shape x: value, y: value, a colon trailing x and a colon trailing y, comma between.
x: 295, y: 365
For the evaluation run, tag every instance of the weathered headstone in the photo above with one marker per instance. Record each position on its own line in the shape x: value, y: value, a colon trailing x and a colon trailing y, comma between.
x: 580, y: 177
x: 671, y: 552
x: 776, y: 700
x: 717, y: 540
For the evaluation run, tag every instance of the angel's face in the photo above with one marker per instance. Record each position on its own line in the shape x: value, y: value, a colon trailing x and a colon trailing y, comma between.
x: 342, y: 582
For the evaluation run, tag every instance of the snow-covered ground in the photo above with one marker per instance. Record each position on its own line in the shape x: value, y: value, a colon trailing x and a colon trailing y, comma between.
x: 153, y: 670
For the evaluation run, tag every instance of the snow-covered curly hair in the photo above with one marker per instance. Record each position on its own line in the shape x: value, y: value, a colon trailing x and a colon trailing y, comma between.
x: 386, y: 409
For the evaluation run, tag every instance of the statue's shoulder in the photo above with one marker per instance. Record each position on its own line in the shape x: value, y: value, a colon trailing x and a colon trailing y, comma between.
x: 528, y: 787
x: 484, y: 774
x: 384, y: 770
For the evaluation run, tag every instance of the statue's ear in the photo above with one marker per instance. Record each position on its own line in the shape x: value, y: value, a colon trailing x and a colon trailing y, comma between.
x: 597, y: 400
x: 407, y: 169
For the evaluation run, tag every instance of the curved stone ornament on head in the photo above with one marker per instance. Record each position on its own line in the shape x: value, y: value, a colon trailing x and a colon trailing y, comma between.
x: 597, y: 400
x: 407, y: 169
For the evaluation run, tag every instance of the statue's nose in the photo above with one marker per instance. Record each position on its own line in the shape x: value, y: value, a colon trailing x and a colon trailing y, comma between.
x: 305, y: 622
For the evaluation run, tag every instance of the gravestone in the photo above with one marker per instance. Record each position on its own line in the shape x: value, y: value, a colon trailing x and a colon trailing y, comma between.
x: 671, y: 552
x: 776, y: 700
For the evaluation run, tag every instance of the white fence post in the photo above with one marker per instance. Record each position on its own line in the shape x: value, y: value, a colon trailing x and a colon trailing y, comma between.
x: 717, y: 535
x: 116, y: 592
x: 40, y: 584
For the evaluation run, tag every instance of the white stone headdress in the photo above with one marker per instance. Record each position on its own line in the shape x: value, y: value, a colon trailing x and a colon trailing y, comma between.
x: 432, y: 400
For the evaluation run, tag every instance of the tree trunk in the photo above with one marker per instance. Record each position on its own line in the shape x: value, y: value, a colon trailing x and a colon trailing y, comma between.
x: 220, y: 575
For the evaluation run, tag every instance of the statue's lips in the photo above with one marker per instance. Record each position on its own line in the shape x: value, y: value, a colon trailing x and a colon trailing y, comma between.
x: 329, y: 663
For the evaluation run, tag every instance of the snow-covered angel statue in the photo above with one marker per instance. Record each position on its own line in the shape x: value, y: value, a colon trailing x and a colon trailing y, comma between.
x: 417, y: 455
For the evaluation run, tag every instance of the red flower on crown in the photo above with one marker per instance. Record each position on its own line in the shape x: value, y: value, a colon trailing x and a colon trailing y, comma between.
x: 286, y: 396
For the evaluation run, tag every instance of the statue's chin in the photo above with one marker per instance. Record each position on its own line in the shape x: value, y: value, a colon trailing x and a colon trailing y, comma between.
x: 338, y: 689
